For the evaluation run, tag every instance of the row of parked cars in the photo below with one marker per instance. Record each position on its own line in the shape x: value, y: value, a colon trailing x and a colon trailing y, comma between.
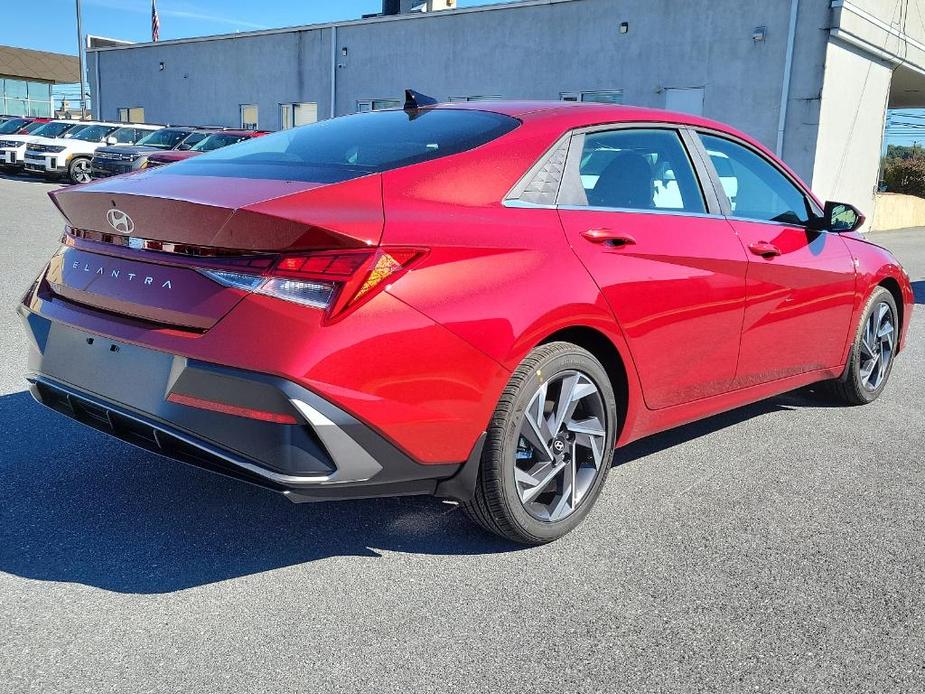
x: 80, y: 150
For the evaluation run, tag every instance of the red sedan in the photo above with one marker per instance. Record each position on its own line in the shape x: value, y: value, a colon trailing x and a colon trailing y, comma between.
x: 476, y: 301
x: 214, y: 141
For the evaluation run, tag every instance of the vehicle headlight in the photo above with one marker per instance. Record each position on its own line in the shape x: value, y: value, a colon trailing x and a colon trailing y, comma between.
x: 55, y: 148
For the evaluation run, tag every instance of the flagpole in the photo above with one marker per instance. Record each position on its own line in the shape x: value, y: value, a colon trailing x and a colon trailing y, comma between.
x: 81, y: 59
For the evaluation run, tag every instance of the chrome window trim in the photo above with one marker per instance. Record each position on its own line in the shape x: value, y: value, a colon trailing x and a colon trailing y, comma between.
x: 709, y: 202
x: 520, y: 204
x: 630, y: 210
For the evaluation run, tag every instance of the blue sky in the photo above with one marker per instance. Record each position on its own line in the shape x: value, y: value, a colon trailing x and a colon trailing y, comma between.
x: 49, y: 25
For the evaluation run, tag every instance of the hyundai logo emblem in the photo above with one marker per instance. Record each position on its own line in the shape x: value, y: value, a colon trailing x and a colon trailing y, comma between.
x: 120, y: 221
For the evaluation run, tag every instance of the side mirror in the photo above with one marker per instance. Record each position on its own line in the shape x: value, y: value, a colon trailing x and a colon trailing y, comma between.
x: 841, y: 217
x: 111, y: 140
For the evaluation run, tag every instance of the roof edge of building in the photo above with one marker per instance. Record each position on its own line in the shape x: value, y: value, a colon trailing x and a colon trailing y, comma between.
x: 327, y: 25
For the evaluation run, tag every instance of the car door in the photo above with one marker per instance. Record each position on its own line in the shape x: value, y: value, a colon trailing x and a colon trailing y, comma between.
x: 800, y: 281
x: 669, y: 265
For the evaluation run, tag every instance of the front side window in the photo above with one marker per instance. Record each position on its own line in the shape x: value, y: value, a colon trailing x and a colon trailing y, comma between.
x: 94, y: 133
x: 166, y: 138
x: 644, y: 169
x: 343, y: 148
x: 756, y: 189
x: 217, y: 141
x: 125, y: 136
x: 191, y: 140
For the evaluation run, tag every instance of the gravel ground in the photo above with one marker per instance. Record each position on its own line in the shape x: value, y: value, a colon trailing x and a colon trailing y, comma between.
x: 778, y: 547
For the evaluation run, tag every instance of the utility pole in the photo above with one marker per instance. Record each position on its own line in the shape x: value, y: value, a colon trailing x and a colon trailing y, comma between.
x: 81, y: 59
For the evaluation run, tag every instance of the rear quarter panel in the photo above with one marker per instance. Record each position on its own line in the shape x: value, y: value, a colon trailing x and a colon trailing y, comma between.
x: 502, y: 279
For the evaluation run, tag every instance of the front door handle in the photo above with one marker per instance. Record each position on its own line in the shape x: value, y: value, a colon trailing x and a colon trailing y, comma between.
x: 764, y: 249
x: 608, y: 237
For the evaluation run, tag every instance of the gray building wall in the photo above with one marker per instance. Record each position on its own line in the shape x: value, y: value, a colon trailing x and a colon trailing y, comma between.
x: 206, y: 82
x: 532, y: 51
x: 846, y: 58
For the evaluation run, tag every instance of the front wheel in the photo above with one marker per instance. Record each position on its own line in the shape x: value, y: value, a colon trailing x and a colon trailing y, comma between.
x: 78, y: 171
x: 871, y: 358
x: 549, y: 446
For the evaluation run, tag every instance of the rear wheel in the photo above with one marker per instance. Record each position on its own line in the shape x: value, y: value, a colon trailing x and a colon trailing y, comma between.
x: 871, y: 358
x: 549, y: 446
x: 78, y: 171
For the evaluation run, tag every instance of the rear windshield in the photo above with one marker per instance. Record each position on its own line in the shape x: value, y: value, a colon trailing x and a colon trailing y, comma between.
x: 351, y: 146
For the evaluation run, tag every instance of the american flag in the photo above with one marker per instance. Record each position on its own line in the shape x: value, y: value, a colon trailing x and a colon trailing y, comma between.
x: 155, y: 22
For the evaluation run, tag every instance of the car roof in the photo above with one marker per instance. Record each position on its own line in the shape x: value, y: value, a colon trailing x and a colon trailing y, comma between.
x: 569, y: 115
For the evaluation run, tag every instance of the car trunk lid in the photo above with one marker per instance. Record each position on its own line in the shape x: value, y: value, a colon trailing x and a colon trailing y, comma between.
x: 135, y: 246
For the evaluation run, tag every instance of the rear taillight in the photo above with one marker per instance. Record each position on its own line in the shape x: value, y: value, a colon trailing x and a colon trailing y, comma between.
x: 331, y: 280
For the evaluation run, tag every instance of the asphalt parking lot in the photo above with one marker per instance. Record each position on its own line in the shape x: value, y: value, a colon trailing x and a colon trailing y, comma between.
x: 780, y: 547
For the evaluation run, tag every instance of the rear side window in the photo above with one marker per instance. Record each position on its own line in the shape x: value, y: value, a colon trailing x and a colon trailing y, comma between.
x: 641, y: 169
x: 352, y: 146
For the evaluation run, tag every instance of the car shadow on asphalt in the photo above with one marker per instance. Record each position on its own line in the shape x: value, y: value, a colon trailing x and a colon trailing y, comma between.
x: 78, y: 506
x: 808, y: 397
x: 918, y: 289
x: 24, y: 178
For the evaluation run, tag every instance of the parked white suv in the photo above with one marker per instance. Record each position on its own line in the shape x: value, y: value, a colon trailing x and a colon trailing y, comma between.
x: 70, y: 156
x: 13, y: 147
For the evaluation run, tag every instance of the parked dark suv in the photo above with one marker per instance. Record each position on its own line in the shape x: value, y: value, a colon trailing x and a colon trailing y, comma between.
x: 120, y: 159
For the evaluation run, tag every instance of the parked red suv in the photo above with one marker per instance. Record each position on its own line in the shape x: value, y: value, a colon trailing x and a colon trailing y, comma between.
x: 214, y: 141
x: 478, y: 301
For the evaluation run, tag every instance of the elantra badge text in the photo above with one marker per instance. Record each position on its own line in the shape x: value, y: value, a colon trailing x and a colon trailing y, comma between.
x: 115, y: 273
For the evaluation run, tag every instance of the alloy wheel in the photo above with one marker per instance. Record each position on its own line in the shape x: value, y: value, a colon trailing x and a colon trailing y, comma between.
x: 877, y: 346
x: 81, y: 171
x: 560, y: 447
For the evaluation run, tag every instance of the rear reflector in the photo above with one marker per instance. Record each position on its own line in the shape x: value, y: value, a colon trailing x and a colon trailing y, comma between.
x: 225, y: 408
x: 328, y: 280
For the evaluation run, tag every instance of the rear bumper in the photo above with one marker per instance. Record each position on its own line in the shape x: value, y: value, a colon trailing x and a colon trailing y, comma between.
x: 123, y: 390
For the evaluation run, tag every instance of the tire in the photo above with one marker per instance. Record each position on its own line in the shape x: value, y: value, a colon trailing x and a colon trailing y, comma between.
x: 506, y: 500
x: 78, y: 170
x: 853, y: 388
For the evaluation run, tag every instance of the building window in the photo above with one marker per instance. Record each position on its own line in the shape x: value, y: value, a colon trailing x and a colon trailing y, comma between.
x: 685, y: 100
x: 474, y: 98
x: 132, y: 114
x: 293, y: 115
x: 364, y: 105
x: 249, y: 116
x: 22, y: 98
x: 599, y: 96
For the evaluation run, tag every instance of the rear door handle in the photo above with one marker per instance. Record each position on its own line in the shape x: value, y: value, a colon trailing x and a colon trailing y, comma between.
x: 608, y: 237
x: 764, y: 249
